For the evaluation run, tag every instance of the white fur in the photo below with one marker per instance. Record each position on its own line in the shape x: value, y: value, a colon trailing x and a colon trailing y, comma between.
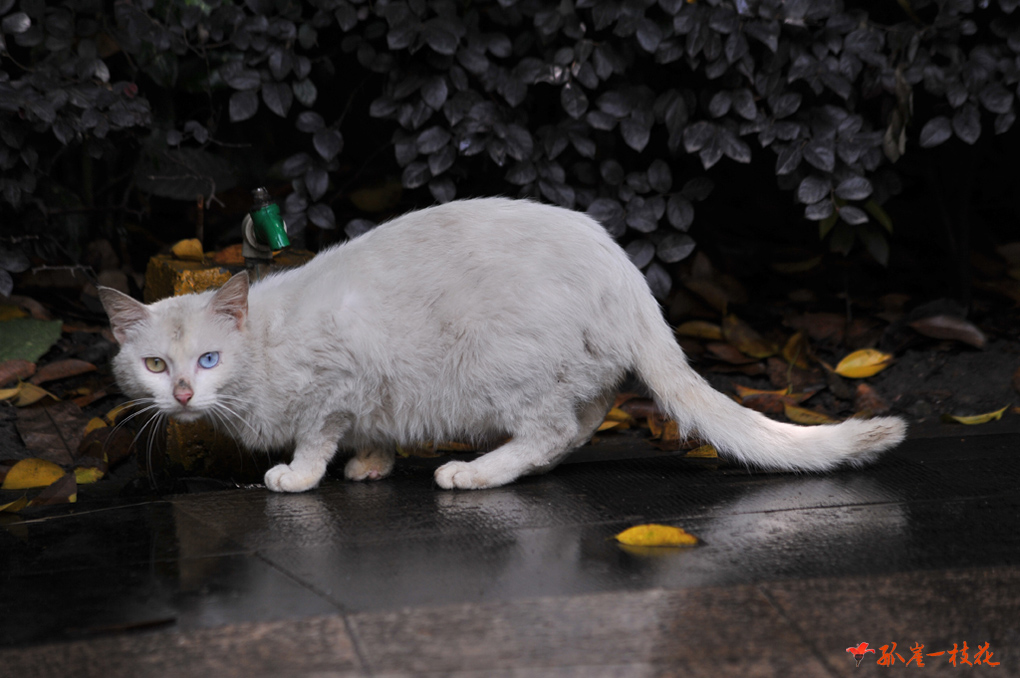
x: 474, y: 319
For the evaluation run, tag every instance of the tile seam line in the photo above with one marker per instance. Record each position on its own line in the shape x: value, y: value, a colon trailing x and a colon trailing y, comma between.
x: 356, y: 644
x: 815, y: 652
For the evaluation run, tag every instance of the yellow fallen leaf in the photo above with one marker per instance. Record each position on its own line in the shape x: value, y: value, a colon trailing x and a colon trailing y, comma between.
x: 802, y: 415
x: 656, y: 535
x: 700, y: 329
x: 111, y: 416
x: 31, y: 473
x: 190, y: 250
x: 8, y: 393
x: 616, y: 414
x: 94, y: 423
x: 978, y: 418
x: 703, y: 452
x: 863, y: 363
x: 616, y: 419
x: 84, y: 475
x: 14, y: 506
x: 29, y: 394
x: 796, y: 351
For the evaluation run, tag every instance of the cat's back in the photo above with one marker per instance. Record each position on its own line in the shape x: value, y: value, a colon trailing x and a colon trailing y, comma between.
x: 478, y: 243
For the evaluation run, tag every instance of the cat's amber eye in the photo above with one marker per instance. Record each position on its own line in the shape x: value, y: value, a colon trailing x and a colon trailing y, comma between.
x: 155, y: 364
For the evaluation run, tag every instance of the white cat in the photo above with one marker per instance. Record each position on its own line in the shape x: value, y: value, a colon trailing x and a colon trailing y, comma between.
x: 474, y: 319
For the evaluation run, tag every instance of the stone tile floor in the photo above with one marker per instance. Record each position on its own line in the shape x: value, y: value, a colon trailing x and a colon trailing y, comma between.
x: 399, y: 578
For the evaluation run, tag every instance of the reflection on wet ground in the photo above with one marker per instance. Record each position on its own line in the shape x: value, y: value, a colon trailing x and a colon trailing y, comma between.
x: 401, y: 550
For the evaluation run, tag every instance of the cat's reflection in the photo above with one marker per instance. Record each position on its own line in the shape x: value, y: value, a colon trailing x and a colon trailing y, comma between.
x: 367, y: 547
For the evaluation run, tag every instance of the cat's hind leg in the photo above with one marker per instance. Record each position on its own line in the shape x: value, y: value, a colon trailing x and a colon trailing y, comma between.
x: 538, y: 447
x: 590, y: 416
x: 371, y: 463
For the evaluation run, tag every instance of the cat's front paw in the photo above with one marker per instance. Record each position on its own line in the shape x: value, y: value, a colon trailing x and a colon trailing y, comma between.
x: 462, y: 475
x: 285, y: 478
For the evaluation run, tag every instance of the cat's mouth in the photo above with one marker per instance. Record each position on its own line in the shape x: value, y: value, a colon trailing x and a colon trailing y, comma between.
x: 186, y: 414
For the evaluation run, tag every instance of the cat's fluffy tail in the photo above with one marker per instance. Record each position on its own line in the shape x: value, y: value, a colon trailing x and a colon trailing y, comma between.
x: 747, y: 435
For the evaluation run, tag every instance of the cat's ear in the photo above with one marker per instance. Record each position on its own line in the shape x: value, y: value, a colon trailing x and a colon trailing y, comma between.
x: 231, y: 300
x: 124, y: 312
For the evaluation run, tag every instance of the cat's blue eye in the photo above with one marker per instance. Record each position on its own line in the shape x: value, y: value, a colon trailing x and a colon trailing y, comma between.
x: 209, y: 360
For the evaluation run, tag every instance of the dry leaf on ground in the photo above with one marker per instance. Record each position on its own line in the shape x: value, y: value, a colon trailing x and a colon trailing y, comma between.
x: 797, y: 350
x: 863, y: 363
x: 656, y: 535
x: 729, y: 354
x: 821, y: 327
x: 802, y: 415
x: 976, y: 418
x: 868, y: 401
x: 25, y: 394
x: 54, y: 432
x: 703, y: 452
x: 15, y: 370
x: 29, y: 473
x: 771, y: 402
x: 62, y: 369
x: 63, y: 491
x: 746, y: 339
x: 700, y: 329
x: 950, y: 327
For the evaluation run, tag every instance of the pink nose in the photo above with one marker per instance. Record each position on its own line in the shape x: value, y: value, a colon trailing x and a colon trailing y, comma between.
x: 183, y: 396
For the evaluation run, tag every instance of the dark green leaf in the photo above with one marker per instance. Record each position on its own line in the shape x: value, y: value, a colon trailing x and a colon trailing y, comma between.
x: 442, y: 160
x: 306, y: 92
x: 640, y: 252
x: 522, y: 173
x: 813, y: 188
x: 434, y: 91
x: 719, y: 104
x: 698, y: 188
x: 854, y: 188
x: 852, y: 215
x: 818, y: 211
x: 310, y: 121
x: 821, y: 154
x: 935, y: 131
x: 416, y: 174
x: 15, y: 23
x: 432, y: 139
x: 675, y: 247
x: 296, y: 165
x: 237, y: 76
x: 328, y: 143
x: 322, y: 216
x: 967, y: 124
x: 443, y: 190
x: 696, y: 136
x: 660, y: 177
x: 317, y: 183
x: 278, y: 97
x: 635, y: 132
x: 680, y: 212
x: 573, y: 100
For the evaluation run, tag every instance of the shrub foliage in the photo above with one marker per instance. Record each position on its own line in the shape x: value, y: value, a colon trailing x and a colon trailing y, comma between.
x: 621, y: 108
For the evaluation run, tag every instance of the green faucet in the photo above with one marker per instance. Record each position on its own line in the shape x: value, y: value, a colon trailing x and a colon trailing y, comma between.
x: 263, y: 231
x: 269, y: 227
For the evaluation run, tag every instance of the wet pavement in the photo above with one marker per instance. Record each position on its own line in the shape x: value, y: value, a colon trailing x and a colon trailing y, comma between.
x: 400, y: 578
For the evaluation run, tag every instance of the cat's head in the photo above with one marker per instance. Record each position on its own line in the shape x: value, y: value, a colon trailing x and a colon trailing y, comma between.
x: 182, y: 351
